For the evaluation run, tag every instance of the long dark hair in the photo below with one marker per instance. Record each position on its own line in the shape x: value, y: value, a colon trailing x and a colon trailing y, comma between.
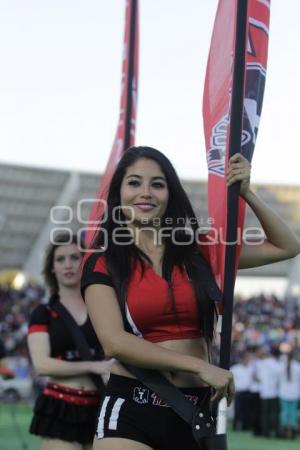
x: 121, y: 259
x: 47, y: 272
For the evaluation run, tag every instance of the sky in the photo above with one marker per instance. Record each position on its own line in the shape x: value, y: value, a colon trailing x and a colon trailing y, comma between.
x: 60, y: 84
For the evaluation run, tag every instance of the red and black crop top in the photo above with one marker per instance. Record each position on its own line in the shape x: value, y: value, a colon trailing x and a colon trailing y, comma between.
x: 149, y: 309
x: 46, y: 319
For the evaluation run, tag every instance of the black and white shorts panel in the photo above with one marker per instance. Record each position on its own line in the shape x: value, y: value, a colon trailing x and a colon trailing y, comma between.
x: 132, y: 411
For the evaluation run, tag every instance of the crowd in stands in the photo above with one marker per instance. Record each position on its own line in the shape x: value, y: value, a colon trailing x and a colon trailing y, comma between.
x: 15, y: 308
x: 264, y: 320
x: 265, y: 329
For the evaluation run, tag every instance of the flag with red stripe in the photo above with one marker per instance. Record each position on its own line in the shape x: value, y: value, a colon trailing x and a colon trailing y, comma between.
x: 217, y: 109
x: 125, y: 135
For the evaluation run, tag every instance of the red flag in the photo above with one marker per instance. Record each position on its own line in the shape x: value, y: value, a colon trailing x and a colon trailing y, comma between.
x: 217, y: 107
x: 125, y: 134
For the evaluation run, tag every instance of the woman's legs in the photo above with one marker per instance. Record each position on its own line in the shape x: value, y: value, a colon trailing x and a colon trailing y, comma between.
x: 57, y: 444
x: 119, y: 444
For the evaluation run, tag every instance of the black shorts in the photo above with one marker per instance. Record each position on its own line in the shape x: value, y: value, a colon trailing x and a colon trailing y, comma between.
x: 64, y: 413
x: 130, y: 410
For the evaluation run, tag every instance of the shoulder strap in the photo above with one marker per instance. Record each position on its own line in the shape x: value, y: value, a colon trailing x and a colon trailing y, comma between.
x: 78, y: 338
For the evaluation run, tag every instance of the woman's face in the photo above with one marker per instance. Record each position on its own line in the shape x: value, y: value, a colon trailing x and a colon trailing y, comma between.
x: 144, y: 192
x: 66, y: 265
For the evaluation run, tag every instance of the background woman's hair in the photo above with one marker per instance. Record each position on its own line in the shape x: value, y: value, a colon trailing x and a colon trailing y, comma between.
x: 47, y: 272
x: 121, y: 259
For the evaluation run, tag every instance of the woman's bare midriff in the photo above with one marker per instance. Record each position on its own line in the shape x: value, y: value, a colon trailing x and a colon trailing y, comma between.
x: 192, y: 347
x: 82, y: 382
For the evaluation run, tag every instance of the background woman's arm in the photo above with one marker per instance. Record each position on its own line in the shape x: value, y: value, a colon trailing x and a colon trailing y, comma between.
x: 44, y: 364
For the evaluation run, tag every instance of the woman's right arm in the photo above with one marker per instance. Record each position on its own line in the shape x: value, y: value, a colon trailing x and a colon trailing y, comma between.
x: 44, y: 364
x: 105, y: 314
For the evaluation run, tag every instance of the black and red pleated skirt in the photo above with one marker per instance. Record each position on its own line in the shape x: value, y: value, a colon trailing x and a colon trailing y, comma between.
x: 66, y: 414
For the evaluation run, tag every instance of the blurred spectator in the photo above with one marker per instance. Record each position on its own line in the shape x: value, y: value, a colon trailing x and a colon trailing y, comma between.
x: 254, y: 398
x: 289, y: 395
x: 242, y: 373
x: 268, y: 377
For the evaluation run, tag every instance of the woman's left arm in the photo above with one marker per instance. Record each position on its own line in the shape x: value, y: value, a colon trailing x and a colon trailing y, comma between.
x: 281, y: 242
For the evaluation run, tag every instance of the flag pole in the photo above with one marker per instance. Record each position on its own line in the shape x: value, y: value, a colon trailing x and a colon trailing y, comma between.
x: 219, y: 441
x: 131, y: 62
x: 235, y: 137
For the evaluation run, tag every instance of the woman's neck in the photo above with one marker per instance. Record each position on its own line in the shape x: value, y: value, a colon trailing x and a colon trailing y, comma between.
x: 68, y: 295
x: 147, y: 239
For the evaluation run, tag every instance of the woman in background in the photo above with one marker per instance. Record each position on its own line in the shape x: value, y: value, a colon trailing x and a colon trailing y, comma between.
x: 65, y: 411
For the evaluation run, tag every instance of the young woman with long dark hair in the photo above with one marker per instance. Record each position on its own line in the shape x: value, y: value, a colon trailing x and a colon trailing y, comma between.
x: 65, y: 411
x: 148, y: 266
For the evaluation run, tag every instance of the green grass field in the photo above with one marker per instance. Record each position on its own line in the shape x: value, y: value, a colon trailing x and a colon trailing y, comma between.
x: 14, y: 421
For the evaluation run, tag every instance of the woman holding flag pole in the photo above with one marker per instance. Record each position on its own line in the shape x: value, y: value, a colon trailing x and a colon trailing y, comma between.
x: 149, y: 285
x: 151, y: 297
